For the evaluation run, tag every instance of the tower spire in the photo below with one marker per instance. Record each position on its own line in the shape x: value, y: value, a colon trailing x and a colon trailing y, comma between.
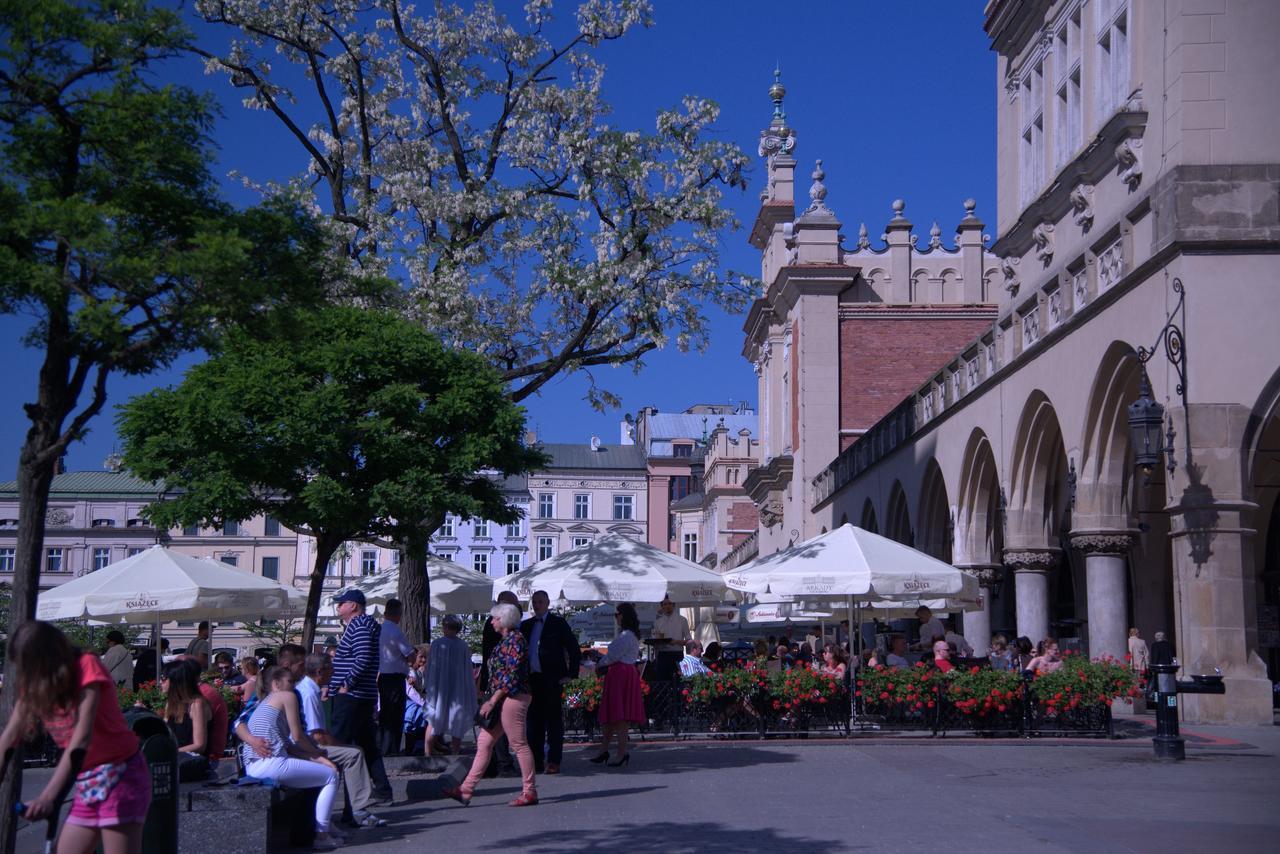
x: 777, y: 138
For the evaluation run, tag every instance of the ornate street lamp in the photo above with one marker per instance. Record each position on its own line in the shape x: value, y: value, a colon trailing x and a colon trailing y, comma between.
x: 1149, y: 437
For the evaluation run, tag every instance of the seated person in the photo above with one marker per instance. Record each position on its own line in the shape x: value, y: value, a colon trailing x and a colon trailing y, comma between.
x: 963, y: 648
x: 691, y: 664
x: 897, y: 657
x: 189, y: 718
x: 942, y: 656
x: 711, y: 658
x: 1001, y: 657
x: 1048, y: 661
x: 835, y: 661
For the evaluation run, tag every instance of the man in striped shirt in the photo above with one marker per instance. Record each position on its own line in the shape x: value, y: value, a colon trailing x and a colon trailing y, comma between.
x: 354, y: 686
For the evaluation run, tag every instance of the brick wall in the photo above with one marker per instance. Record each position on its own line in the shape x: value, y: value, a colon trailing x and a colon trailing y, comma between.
x: 883, y: 360
x: 742, y: 517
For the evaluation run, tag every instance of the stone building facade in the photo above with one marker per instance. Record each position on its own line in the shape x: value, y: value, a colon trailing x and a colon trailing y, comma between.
x: 1139, y: 216
x: 714, y: 521
x: 487, y: 546
x: 584, y: 492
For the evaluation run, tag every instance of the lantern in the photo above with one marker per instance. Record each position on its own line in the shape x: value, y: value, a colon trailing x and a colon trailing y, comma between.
x: 1146, y: 423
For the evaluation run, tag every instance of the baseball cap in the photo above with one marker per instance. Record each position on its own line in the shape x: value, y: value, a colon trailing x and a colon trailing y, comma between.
x: 349, y: 596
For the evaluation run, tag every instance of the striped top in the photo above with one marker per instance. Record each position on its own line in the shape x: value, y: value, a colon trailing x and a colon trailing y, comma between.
x: 355, y: 663
x: 266, y: 722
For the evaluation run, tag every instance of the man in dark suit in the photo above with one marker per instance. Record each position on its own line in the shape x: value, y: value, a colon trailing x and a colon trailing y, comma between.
x: 553, y: 660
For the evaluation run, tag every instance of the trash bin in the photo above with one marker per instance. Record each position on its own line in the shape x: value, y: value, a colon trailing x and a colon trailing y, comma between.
x: 160, y: 832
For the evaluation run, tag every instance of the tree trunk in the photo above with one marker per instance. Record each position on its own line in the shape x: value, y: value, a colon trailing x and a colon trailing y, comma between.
x: 35, y: 476
x: 414, y: 590
x: 325, y: 547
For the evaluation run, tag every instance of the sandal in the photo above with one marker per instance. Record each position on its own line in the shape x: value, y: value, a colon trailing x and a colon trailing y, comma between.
x: 526, y: 799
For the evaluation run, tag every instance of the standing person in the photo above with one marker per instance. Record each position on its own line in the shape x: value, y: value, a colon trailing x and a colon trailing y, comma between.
x: 117, y: 660
x: 449, y: 694
x: 622, y: 702
x: 1162, y: 651
x: 670, y: 625
x: 509, y: 698
x: 72, y: 695
x: 354, y: 686
x: 293, y: 758
x: 1139, y: 655
x: 395, y: 653
x: 199, y: 648
x: 554, y: 659
x: 931, y: 629
x: 488, y: 642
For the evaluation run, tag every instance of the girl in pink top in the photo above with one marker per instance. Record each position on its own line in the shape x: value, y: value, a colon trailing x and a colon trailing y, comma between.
x: 73, y: 696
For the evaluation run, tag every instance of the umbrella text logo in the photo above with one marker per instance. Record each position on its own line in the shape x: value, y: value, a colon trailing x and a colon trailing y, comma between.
x: 141, y: 603
x: 916, y: 584
x: 817, y: 583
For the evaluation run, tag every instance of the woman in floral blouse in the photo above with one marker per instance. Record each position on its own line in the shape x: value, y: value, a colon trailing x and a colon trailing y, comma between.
x: 508, y: 691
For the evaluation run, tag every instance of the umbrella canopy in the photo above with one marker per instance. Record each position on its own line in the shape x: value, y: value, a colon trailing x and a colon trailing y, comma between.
x: 614, y: 568
x: 454, y: 589
x: 162, y: 583
x: 849, y: 562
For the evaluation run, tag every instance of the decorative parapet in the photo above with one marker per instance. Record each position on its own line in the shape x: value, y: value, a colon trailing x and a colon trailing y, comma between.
x: 741, y: 553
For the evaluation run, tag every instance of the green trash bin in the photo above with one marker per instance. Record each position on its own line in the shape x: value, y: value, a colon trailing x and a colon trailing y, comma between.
x: 160, y: 832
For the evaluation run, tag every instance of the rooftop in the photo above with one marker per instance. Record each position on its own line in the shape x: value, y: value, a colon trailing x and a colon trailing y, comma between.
x: 670, y: 425
x: 92, y: 484
x: 572, y: 456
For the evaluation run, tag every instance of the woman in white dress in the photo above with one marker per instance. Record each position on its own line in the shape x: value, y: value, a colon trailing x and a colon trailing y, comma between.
x: 1139, y: 655
x: 450, y: 689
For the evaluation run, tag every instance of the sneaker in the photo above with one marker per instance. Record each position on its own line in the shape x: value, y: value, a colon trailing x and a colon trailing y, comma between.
x: 364, y: 818
x: 382, y: 800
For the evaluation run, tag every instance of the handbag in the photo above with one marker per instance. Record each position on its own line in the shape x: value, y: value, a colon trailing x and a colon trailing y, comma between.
x: 94, y: 785
x: 491, y: 720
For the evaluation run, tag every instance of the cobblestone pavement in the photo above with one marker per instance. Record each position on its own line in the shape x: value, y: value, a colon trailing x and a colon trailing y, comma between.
x: 870, y: 794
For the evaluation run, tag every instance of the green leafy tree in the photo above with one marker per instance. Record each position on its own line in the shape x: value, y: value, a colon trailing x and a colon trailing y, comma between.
x: 113, y: 240
x: 364, y: 427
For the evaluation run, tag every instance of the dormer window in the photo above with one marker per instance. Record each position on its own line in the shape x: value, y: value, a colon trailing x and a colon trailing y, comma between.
x: 104, y: 523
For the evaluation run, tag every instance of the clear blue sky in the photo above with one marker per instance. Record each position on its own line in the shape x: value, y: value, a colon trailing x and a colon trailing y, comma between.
x: 898, y: 99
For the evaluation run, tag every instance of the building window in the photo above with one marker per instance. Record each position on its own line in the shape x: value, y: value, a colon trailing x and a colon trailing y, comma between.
x: 579, y: 542
x: 1068, y: 124
x: 678, y: 487
x: 513, y: 530
x: 53, y: 560
x: 514, y: 561
x: 136, y: 523
x: 689, y: 547
x: 271, y: 568
x: 1031, y: 159
x: 480, y: 562
x: 101, y: 559
x: 546, y: 505
x: 546, y: 548
x: 135, y: 551
x: 1113, y: 57
x: 104, y: 523
x: 231, y: 529
x: 623, y: 507
x: 7, y: 559
x: 482, y: 528
x: 446, y: 527
x: 368, y: 562
x: 582, y: 506
x: 230, y: 560
x: 190, y: 530
x: 270, y: 527
x: 682, y: 449
x: 8, y: 523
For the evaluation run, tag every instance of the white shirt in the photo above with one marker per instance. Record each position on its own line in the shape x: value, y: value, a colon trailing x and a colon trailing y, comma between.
x: 673, y: 626
x: 312, y: 713
x: 932, y: 631
x: 625, y: 648
x: 963, y: 647
x: 393, y: 647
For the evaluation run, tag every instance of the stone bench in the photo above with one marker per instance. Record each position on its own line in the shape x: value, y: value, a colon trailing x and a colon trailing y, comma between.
x: 245, y: 819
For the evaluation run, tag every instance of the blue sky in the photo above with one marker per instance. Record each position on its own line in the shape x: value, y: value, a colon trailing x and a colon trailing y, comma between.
x: 898, y: 99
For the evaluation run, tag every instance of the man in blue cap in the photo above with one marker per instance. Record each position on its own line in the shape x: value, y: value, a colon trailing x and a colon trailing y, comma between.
x: 354, y: 686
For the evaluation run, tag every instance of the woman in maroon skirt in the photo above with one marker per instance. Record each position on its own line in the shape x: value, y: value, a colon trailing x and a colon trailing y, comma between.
x: 622, y: 703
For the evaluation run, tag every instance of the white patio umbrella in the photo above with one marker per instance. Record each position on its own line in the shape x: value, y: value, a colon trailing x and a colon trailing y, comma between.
x: 454, y: 588
x: 161, y: 584
x: 614, y: 568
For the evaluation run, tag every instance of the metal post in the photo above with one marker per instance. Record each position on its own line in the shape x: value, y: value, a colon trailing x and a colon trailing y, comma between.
x: 1169, y: 746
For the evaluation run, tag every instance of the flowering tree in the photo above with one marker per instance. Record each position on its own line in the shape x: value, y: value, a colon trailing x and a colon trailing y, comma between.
x: 473, y: 154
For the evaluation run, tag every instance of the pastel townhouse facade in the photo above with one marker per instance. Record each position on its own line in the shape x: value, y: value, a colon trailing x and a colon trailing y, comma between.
x: 719, y: 518
x: 674, y: 445
x: 485, y: 546
x: 1100, y: 450
x: 586, y: 491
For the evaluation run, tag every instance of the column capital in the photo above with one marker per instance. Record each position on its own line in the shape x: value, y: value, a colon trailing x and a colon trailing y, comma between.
x: 1103, y: 542
x: 988, y: 574
x: 1032, y: 560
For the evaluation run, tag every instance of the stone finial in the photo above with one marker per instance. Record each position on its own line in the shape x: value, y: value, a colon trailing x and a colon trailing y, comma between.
x: 898, y: 207
x: 777, y: 138
x: 818, y: 191
x: 864, y: 241
x: 969, y: 206
x: 935, y: 235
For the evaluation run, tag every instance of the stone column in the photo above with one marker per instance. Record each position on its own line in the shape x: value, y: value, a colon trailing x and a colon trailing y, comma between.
x: 1031, y: 589
x: 977, y: 624
x: 1105, y: 589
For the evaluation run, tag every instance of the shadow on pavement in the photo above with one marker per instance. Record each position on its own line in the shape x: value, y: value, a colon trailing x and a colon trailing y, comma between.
x: 666, y: 837
x: 678, y: 757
